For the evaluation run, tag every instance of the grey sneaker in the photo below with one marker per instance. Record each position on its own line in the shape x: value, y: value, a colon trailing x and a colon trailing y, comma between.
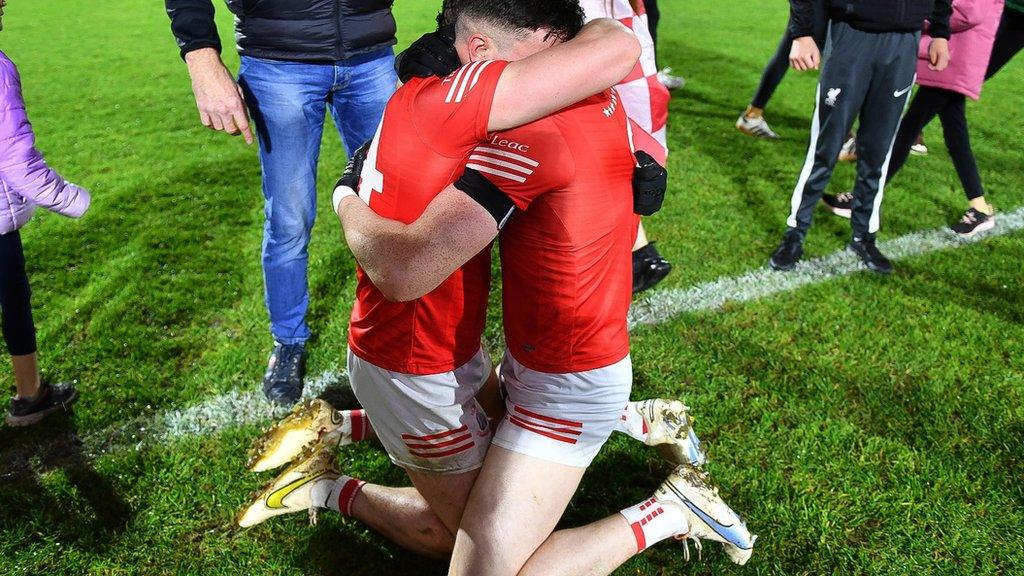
x: 756, y: 127
x: 669, y: 80
x: 51, y: 398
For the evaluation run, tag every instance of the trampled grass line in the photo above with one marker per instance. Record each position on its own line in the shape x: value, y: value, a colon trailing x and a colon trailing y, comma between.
x: 663, y: 305
x: 248, y: 407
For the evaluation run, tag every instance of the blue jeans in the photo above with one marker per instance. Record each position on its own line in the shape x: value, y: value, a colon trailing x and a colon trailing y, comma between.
x: 287, y: 101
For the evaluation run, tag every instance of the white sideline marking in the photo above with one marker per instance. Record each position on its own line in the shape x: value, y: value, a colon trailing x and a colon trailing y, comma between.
x: 239, y: 408
x: 663, y: 305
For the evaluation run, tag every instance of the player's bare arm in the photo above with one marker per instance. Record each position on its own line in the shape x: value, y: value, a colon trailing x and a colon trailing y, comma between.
x: 406, y: 261
x: 602, y: 54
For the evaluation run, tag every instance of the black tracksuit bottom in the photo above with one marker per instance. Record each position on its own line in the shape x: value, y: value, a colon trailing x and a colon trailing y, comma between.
x: 951, y: 109
x: 777, y: 67
x: 15, y: 304
x: 1009, y: 41
x: 868, y: 75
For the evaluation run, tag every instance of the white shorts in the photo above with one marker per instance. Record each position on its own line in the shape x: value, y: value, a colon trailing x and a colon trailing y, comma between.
x: 431, y: 423
x: 564, y: 418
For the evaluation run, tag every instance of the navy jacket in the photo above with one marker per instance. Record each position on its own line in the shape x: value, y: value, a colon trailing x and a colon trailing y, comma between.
x: 304, y: 30
x: 875, y: 15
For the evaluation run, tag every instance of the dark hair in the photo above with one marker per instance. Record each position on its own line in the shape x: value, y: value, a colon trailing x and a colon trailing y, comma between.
x: 562, y: 18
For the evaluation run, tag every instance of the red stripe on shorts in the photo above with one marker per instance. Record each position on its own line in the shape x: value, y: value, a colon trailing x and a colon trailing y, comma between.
x: 457, y: 440
x: 436, y: 436
x: 527, y: 426
x: 526, y: 412
x: 455, y: 450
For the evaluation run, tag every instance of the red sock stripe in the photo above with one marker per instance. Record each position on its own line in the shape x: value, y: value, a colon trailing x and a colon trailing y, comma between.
x: 526, y: 426
x: 638, y: 533
x: 456, y: 440
x: 456, y: 450
x: 360, y: 425
x: 348, y: 494
x: 459, y: 430
x: 526, y: 412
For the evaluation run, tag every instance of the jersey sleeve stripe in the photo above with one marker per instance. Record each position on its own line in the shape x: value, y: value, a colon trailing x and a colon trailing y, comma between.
x: 511, y: 155
x: 455, y: 82
x: 479, y: 72
x: 496, y: 172
x: 464, y: 81
x: 502, y: 163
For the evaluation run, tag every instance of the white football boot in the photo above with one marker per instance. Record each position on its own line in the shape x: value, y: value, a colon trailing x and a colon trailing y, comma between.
x: 310, y: 423
x: 670, y: 430
x: 291, y: 490
x: 709, y: 517
x: 756, y: 127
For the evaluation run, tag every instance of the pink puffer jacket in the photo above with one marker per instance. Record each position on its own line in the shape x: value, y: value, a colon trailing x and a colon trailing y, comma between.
x: 25, y: 179
x: 974, y: 24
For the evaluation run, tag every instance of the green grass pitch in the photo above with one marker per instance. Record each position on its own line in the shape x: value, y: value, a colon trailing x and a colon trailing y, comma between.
x: 863, y: 425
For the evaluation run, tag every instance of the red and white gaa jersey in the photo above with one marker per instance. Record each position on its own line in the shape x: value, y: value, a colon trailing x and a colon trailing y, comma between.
x: 429, y: 130
x: 566, y: 254
x: 644, y: 96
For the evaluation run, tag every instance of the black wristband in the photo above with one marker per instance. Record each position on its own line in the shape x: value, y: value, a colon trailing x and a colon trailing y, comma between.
x: 649, y: 183
x: 486, y: 194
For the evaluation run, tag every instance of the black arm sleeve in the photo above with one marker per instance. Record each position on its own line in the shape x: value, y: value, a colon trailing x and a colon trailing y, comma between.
x: 487, y: 195
x: 801, y: 18
x: 193, y: 25
x: 938, y: 22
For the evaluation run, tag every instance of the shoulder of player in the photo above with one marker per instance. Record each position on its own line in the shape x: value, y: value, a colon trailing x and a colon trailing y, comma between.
x: 455, y: 87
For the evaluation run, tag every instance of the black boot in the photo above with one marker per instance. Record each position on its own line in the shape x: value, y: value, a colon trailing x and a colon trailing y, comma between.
x: 649, y: 268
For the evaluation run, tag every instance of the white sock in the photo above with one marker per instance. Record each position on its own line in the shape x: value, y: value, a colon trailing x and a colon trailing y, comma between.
x: 338, y: 495
x: 652, y: 521
x: 632, y: 423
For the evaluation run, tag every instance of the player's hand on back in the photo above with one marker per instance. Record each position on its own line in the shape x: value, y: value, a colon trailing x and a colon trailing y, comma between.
x: 348, y: 183
x: 218, y: 98
x: 432, y: 55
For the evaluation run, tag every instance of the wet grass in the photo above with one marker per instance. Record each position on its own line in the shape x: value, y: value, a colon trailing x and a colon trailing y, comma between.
x: 867, y: 425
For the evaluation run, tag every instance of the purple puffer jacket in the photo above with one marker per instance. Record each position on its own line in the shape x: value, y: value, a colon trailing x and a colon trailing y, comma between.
x: 974, y: 24
x: 25, y: 179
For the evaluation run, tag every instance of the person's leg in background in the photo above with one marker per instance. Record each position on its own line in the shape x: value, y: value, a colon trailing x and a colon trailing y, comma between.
x: 844, y: 81
x: 653, y: 17
x: 362, y: 87
x: 980, y: 215
x: 665, y: 76
x: 895, y: 55
x: 752, y: 120
x: 34, y: 398
x: 924, y: 106
x: 1009, y: 41
x: 287, y: 101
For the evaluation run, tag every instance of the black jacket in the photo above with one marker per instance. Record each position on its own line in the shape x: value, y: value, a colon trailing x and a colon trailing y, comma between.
x: 306, y: 30
x: 875, y: 15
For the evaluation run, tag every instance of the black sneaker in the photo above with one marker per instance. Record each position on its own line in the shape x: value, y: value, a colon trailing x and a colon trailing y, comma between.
x: 974, y: 222
x: 51, y: 398
x: 787, y: 254
x: 869, y: 254
x: 649, y: 268
x: 282, y: 383
x: 839, y: 204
